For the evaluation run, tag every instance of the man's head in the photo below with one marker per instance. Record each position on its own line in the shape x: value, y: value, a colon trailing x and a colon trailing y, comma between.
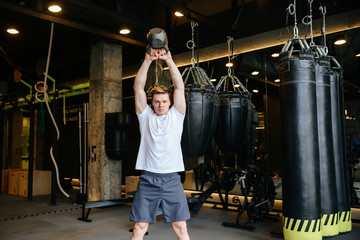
x: 161, y: 99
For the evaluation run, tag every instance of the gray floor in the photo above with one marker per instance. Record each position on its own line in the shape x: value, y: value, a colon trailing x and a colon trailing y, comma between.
x: 21, y: 219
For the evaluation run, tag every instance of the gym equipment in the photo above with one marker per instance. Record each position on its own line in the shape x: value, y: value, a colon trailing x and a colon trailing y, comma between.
x: 341, y: 170
x: 256, y: 177
x: 227, y: 179
x: 329, y: 203
x: 263, y: 194
x: 250, y: 146
x: 201, y: 110
x: 234, y: 112
x: 157, y: 39
x: 300, y: 145
x: 115, y: 134
x: 115, y: 122
x: 206, y: 174
x: 301, y: 180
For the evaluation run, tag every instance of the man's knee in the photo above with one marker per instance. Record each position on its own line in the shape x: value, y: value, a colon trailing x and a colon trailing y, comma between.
x: 140, y: 228
x: 180, y: 228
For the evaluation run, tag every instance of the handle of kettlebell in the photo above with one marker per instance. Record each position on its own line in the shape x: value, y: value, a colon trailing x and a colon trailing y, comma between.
x: 148, y: 49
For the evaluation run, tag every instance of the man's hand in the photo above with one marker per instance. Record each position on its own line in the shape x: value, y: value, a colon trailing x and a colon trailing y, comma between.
x: 155, y: 54
x: 158, y: 54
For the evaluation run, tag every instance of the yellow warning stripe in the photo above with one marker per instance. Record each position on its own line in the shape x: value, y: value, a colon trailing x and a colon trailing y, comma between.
x: 345, y: 222
x: 330, y: 225
x: 301, y: 229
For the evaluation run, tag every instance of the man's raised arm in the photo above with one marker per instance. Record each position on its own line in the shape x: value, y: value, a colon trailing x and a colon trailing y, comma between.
x: 179, y: 93
x: 139, y: 83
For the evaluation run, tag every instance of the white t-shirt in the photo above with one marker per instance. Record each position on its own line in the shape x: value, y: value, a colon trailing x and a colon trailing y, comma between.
x: 160, y: 149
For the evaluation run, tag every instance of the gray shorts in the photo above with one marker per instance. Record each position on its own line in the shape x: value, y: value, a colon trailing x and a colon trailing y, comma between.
x: 154, y: 190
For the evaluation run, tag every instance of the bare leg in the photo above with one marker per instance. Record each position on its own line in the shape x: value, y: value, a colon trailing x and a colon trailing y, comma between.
x: 180, y: 230
x: 139, y: 230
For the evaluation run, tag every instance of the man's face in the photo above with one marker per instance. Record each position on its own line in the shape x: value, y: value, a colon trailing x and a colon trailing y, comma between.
x: 161, y: 103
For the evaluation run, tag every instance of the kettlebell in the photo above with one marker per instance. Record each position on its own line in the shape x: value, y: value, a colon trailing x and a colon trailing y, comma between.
x: 157, y: 39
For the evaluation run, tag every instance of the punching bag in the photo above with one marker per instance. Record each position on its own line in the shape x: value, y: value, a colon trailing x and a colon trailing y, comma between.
x: 300, y: 147
x: 329, y: 203
x: 201, y: 115
x: 115, y: 134
x: 341, y: 170
x: 251, y: 143
x: 234, y: 116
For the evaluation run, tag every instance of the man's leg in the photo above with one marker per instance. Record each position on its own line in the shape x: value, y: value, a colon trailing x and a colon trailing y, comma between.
x: 180, y: 230
x: 139, y: 230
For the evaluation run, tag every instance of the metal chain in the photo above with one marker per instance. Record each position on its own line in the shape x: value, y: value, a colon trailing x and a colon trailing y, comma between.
x: 307, y: 20
x: 230, y: 54
x: 292, y: 11
x: 323, y: 12
x: 156, y: 73
x: 191, y: 43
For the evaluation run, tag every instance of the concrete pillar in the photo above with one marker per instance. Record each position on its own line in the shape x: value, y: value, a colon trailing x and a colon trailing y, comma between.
x: 105, y: 96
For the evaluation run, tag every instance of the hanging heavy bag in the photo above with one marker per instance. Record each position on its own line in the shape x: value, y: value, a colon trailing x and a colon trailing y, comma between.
x: 301, y: 180
x: 329, y: 202
x: 342, y: 186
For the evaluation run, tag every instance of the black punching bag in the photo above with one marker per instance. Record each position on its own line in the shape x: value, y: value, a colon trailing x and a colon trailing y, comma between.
x: 115, y: 134
x: 234, y: 120
x: 329, y: 203
x: 300, y: 148
x: 200, y: 119
x: 342, y: 186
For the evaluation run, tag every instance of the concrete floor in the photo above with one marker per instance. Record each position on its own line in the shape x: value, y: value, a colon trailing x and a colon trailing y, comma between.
x: 30, y: 220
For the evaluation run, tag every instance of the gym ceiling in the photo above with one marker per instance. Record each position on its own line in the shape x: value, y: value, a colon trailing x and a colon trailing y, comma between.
x: 82, y: 23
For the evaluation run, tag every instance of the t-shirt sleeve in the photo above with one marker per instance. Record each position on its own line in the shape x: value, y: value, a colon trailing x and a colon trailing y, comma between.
x: 142, y: 116
x: 178, y: 115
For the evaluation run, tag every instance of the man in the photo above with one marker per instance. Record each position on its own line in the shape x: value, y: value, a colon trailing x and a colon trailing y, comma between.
x: 160, y: 155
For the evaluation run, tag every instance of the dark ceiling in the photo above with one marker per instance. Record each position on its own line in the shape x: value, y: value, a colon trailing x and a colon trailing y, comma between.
x: 85, y: 22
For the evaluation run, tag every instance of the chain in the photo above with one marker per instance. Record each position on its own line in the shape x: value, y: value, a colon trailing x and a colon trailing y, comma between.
x: 307, y: 20
x: 230, y: 52
x: 191, y: 43
x: 292, y: 11
x: 323, y: 12
x: 156, y: 73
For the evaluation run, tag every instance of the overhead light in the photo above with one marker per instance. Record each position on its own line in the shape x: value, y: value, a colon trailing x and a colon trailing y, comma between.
x: 277, y: 80
x: 229, y: 64
x: 124, y: 30
x: 254, y: 73
x: 274, y: 55
x: 255, y: 91
x: 213, y: 80
x: 236, y: 85
x: 357, y: 53
x: 12, y: 31
x: 55, y: 8
x: 178, y: 14
x: 340, y: 40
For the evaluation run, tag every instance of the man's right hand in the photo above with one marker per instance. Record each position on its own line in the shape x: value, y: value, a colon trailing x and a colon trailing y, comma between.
x: 154, y: 54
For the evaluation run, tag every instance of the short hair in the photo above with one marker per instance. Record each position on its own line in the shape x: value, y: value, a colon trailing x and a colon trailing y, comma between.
x: 161, y: 90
